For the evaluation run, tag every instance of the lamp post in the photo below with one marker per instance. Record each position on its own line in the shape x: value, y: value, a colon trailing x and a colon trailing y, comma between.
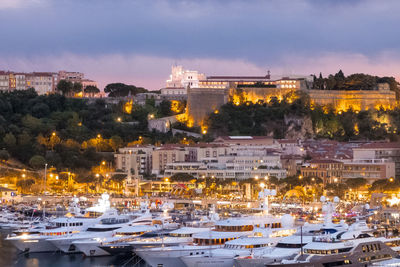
x: 45, y: 178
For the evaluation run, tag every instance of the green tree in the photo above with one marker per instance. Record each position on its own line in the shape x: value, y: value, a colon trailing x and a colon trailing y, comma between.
x: 65, y: 87
x: 91, y: 90
x: 121, y: 90
x: 37, y: 162
x: 118, y: 178
x: 181, y: 177
x: 356, y: 183
x: 4, y: 155
x: 116, y: 142
x: 77, y: 87
x: 25, y: 184
x: 10, y: 141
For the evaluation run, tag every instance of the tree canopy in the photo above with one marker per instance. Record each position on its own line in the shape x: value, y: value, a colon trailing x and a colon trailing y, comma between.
x: 121, y: 90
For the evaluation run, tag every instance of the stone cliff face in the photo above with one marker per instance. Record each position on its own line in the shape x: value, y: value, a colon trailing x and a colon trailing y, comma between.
x: 298, y: 127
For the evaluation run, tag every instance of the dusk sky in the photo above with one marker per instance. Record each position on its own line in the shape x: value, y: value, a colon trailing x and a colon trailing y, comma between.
x: 136, y: 42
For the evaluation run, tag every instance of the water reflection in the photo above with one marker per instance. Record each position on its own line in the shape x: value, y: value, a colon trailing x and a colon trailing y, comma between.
x: 9, y: 257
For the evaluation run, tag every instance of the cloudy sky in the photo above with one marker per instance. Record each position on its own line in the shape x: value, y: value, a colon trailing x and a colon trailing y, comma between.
x: 136, y: 42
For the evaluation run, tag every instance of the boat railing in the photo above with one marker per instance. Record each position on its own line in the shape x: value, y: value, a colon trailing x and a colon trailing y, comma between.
x: 325, y: 239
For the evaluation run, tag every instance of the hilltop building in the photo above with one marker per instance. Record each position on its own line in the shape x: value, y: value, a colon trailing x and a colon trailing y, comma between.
x: 179, y: 81
x: 42, y: 82
x: 205, y: 94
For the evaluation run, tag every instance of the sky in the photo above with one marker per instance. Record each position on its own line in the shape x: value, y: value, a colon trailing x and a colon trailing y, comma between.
x: 137, y: 42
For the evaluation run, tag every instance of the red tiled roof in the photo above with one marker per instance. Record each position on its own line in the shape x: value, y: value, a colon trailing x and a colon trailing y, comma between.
x: 378, y: 145
x: 324, y: 161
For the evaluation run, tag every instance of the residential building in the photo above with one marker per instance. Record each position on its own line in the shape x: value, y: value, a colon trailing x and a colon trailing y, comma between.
x: 167, y: 154
x: 379, y: 150
x: 138, y: 159
x: 328, y: 170
x: 370, y: 169
x: 4, y: 81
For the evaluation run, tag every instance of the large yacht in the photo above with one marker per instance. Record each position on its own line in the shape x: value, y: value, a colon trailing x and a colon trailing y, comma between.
x: 290, y: 246
x: 38, y: 242
x: 224, y: 231
x: 355, y: 247
x: 176, y: 237
x: 104, y: 229
x: 261, y: 239
x: 92, y: 246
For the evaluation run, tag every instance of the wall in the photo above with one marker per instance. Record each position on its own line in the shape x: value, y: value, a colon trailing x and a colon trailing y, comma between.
x: 202, y: 101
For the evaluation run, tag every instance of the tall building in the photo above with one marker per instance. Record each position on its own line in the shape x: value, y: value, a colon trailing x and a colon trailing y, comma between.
x: 42, y: 82
x: 178, y: 82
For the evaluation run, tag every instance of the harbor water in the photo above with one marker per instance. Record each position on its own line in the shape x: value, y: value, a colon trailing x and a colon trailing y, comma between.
x: 9, y: 256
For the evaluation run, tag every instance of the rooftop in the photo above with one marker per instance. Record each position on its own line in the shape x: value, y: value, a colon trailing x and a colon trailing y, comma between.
x: 378, y: 145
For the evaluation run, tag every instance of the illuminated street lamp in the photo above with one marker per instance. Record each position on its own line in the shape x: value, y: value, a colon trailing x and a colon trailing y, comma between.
x: 391, y: 179
x: 54, y: 134
x: 256, y: 177
x: 262, y: 185
x: 300, y: 177
x: 119, y: 119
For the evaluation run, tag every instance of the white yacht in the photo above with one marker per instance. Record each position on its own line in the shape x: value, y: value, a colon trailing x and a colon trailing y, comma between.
x: 103, y: 229
x: 243, y: 246
x: 355, y: 247
x: 176, y: 237
x: 63, y: 226
x: 92, y: 246
x: 290, y: 246
x: 224, y: 231
x: 224, y: 257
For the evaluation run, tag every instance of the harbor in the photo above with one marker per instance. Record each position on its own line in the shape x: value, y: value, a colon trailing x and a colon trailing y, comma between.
x: 158, y: 234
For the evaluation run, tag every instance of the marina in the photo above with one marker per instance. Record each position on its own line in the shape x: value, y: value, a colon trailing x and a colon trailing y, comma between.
x: 160, y: 236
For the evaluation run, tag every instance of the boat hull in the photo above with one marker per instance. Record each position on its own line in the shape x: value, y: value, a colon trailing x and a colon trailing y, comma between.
x: 90, y: 249
x: 33, y: 245
x: 168, y: 258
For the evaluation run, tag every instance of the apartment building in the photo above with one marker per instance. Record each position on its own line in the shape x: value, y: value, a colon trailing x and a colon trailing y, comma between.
x: 389, y: 151
x: 165, y: 155
x: 231, y: 166
x: 370, y: 169
x: 42, y: 82
x: 328, y: 170
x: 334, y: 170
x: 137, y: 159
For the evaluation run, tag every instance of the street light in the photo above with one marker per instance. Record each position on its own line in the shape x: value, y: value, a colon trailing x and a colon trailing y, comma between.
x: 54, y: 134
x: 266, y: 177
x: 300, y: 177
x: 391, y: 179
x: 256, y: 177
x: 262, y: 185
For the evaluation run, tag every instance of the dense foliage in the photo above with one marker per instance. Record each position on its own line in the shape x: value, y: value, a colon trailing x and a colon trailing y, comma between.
x: 121, y: 90
x: 70, y: 133
x: 273, y: 119
x: 357, y: 81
